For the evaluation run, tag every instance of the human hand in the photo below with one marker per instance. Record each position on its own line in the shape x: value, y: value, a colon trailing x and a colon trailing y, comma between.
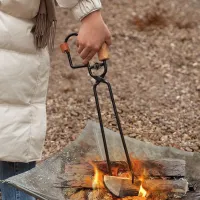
x: 92, y: 34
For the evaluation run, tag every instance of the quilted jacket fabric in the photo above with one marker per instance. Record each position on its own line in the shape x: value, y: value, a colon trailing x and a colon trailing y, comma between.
x: 24, y: 78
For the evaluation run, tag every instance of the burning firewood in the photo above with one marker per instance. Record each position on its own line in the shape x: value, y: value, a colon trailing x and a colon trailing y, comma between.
x: 105, y: 195
x: 154, y: 168
x: 160, y: 177
x: 121, y: 188
x: 169, y: 186
x: 160, y: 168
x: 74, y: 181
x: 88, y: 168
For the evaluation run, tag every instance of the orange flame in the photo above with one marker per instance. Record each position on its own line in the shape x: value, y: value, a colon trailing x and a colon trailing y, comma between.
x: 98, y: 178
x: 142, y: 192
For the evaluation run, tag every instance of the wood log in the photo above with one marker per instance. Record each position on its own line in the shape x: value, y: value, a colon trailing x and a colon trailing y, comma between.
x: 160, y: 168
x: 74, y: 181
x: 99, y: 195
x: 82, y: 175
x: 120, y: 188
x: 82, y: 181
x: 123, y: 188
x: 88, y: 168
x: 150, y: 168
x: 189, y: 196
x: 105, y: 195
x: 169, y: 186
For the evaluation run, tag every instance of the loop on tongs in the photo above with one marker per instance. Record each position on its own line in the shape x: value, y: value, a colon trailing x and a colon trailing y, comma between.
x: 97, y: 66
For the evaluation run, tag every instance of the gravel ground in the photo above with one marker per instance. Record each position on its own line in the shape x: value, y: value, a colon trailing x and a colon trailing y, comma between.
x: 154, y: 69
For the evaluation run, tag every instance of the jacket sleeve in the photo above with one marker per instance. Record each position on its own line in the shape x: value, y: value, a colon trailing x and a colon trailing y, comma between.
x: 81, y: 8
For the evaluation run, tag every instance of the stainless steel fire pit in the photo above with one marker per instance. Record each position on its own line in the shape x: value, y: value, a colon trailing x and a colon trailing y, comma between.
x: 41, y: 181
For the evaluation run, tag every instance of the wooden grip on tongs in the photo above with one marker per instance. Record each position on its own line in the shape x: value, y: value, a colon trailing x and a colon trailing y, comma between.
x: 64, y: 47
x: 103, y: 53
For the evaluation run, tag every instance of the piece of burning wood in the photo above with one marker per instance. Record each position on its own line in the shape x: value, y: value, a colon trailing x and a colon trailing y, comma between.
x: 88, y: 168
x: 117, y: 184
x: 87, y: 182
x: 74, y: 181
x: 123, y: 188
x: 160, y: 168
x: 169, y: 186
x: 105, y: 195
x: 154, y: 168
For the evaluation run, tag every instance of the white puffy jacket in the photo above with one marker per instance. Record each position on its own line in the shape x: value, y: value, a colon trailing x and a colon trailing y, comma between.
x: 24, y: 74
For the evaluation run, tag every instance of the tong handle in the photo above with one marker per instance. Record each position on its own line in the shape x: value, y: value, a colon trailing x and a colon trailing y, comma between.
x: 103, y: 53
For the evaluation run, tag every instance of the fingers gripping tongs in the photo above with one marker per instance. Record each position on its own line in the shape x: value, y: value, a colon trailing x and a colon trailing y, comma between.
x: 103, y: 57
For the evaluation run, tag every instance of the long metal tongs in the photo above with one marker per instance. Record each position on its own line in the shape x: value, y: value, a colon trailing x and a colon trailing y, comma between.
x: 103, y: 57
